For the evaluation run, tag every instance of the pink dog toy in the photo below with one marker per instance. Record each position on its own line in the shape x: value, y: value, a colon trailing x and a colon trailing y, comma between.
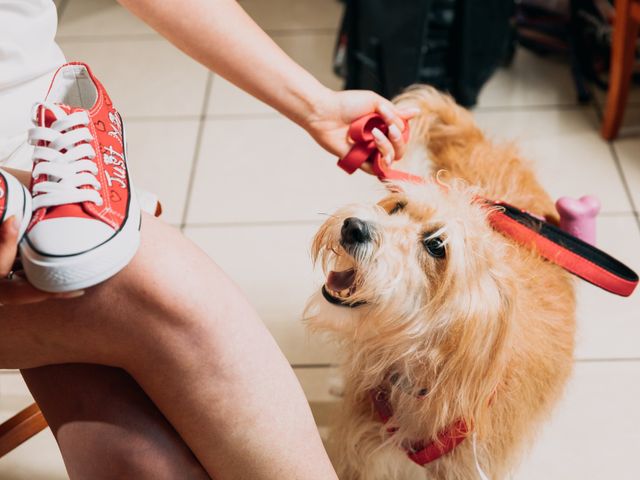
x: 578, y: 217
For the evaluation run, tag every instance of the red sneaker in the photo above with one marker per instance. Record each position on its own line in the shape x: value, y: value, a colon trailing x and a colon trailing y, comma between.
x: 86, y: 220
x: 15, y: 200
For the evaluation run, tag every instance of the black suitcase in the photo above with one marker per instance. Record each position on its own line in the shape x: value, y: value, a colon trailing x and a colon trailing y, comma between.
x: 454, y: 45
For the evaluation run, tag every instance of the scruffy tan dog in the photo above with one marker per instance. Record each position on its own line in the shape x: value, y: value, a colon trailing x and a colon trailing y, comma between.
x: 452, y: 322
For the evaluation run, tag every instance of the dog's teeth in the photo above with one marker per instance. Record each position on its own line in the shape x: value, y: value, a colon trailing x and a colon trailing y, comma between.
x: 344, y: 293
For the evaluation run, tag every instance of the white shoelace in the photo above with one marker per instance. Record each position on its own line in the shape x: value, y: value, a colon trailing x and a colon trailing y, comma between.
x: 69, y: 171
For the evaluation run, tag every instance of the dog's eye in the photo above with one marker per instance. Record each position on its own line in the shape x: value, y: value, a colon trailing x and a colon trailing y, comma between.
x: 397, y: 207
x: 435, y: 246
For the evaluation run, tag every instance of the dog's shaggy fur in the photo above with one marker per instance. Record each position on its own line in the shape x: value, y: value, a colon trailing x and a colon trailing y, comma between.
x: 487, y: 330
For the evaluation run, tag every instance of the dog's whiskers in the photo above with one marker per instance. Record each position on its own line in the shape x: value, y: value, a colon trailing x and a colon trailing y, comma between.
x: 326, y: 214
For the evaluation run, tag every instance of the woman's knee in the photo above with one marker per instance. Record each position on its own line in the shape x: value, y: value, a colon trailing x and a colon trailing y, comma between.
x: 171, y: 294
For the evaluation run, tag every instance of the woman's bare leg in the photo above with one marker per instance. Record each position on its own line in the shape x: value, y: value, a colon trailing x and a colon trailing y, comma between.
x: 107, y: 427
x: 183, y: 330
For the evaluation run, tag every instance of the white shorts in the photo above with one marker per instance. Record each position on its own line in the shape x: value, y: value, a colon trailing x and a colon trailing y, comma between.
x: 16, y: 106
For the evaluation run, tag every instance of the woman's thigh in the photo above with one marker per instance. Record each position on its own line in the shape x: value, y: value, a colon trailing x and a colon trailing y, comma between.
x: 107, y: 427
x: 176, y: 323
x: 112, y: 321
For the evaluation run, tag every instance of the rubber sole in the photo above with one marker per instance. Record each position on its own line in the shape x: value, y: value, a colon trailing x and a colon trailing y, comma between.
x: 75, y: 272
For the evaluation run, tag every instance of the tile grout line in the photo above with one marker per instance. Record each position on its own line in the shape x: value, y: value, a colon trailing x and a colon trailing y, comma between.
x: 198, y: 116
x: 272, y: 115
x: 162, y: 118
x: 196, y: 152
x: 607, y: 360
x: 616, y: 160
x: 623, y: 178
x: 618, y: 213
x: 249, y: 224
x: 307, y: 222
x: 292, y: 32
x: 321, y: 366
x: 244, y: 116
x: 312, y: 366
x: 108, y: 37
x: 528, y: 108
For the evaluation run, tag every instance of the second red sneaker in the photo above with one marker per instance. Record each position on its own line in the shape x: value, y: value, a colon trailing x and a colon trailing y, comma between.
x: 15, y: 201
x: 86, y: 219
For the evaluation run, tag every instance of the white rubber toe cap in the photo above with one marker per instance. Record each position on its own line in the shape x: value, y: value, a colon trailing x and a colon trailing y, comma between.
x: 68, y: 235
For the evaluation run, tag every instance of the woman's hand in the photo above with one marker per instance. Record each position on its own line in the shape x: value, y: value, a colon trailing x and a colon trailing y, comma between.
x: 14, y: 288
x: 329, y: 124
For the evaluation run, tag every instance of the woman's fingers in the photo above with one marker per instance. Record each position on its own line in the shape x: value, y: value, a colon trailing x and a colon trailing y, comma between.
x: 18, y: 291
x: 395, y: 119
x: 8, y: 245
x: 366, y: 167
x: 384, y: 146
x: 390, y: 115
x: 395, y: 136
x: 408, y: 113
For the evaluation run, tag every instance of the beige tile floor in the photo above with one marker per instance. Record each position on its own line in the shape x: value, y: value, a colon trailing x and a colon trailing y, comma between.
x: 218, y: 135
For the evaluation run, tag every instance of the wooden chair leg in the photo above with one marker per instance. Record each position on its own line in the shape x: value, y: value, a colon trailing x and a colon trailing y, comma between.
x: 623, y: 48
x: 20, y: 428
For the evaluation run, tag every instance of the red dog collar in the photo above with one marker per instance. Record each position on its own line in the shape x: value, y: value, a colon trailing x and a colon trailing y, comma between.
x: 420, y: 452
x: 557, y: 246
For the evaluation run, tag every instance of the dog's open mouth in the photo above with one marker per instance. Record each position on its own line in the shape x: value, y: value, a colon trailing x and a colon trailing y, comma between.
x: 341, y: 284
x: 340, y: 287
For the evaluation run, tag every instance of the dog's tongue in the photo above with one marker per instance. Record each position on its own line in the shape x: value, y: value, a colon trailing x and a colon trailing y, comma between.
x: 338, y: 281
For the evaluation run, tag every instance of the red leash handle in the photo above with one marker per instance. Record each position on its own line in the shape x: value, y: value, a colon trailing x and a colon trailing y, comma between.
x: 364, y: 149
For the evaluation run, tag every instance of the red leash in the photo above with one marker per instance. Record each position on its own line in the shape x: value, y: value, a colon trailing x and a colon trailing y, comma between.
x: 552, y: 243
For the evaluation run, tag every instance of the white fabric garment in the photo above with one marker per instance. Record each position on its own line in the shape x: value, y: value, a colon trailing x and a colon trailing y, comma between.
x: 27, y: 46
x: 28, y: 58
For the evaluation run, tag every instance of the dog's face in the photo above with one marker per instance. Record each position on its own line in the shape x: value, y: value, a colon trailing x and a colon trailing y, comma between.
x: 414, y: 249
x: 425, y: 272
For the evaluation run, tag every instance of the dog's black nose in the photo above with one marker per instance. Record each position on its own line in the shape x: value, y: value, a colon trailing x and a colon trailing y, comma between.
x: 355, y: 231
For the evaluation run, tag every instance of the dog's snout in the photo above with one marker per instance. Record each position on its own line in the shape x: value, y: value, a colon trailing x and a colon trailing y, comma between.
x: 355, y: 231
